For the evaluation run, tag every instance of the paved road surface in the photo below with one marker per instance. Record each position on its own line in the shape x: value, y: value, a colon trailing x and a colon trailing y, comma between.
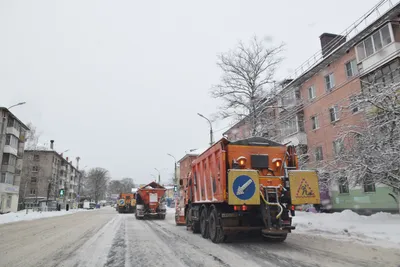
x: 105, y: 238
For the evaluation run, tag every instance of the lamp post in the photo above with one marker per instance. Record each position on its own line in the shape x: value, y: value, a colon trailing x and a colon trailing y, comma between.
x: 18, y: 104
x: 211, y: 130
x: 175, y: 178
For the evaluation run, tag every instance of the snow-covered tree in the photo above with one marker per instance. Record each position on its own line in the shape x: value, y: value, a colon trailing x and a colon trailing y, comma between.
x: 370, y: 152
x: 247, y: 82
x: 96, y: 183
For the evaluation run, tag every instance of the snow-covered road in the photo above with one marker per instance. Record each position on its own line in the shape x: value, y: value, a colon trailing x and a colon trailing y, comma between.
x: 106, y: 238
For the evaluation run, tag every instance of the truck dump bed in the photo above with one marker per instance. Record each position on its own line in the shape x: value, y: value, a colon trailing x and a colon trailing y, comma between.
x: 149, y: 201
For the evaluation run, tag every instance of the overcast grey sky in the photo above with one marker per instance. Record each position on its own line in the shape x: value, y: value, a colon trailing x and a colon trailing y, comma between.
x: 119, y: 83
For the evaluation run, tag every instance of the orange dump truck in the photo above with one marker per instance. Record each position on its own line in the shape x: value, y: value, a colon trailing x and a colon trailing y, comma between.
x: 246, y: 185
x: 150, y: 201
x: 126, y: 203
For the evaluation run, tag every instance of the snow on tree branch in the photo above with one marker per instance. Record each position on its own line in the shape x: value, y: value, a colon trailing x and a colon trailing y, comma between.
x: 370, y: 152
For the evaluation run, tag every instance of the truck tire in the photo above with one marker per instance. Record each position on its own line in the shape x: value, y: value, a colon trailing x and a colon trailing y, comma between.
x: 195, y: 226
x: 162, y: 216
x: 215, y: 229
x: 204, y: 223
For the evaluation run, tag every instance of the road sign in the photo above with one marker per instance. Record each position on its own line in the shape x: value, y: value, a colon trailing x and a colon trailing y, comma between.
x: 121, y: 202
x: 244, y: 187
x: 305, y: 188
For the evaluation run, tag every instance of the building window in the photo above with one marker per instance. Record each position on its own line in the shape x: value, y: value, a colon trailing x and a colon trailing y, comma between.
x: 33, y: 191
x: 354, y: 105
x: 9, y: 202
x: 315, y: 122
x: 369, y: 186
x: 33, y: 180
x: 36, y: 157
x: 3, y: 177
x: 343, y: 185
x: 311, y: 92
x: 337, y: 147
x: 6, y: 158
x: 374, y: 43
x: 12, y: 141
x: 334, y: 113
x: 318, y: 154
x: 351, y: 68
x: 60, y: 183
x: 70, y: 186
x: 290, y: 126
x: 35, y: 168
x: 329, y: 82
x: 9, y: 178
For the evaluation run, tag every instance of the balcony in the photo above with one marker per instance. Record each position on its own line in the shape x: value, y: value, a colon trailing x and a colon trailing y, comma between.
x: 13, y: 131
x: 8, y: 168
x: 8, y: 188
x: 299, y: 138
x: 381, y: 57
x: 10, y: 150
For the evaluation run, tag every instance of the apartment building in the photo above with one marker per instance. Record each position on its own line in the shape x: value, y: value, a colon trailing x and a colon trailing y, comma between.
x: 319, y: 100
x: 44, y: 173
x: 12, y: 138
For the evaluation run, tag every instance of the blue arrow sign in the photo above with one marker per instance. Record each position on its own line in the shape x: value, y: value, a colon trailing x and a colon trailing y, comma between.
x: 244, y: 187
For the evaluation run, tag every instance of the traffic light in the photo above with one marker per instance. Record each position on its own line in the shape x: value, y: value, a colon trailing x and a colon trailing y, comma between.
x: 175, y: 188
x: 61, y: 192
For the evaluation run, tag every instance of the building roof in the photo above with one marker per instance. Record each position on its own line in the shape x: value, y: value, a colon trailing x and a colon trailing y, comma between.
x: 193, y: 153
x: 310, y: 68
x: 15, y: 118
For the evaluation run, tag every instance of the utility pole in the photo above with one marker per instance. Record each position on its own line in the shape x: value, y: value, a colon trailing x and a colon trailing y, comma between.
x: 175, y: 178
x: 211, y: 130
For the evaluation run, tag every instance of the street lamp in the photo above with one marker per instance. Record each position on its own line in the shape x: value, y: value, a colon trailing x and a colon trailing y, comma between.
x: 211, y: 130
x: 19, y: 104
x: 159, y: 175
x: 175, y: 178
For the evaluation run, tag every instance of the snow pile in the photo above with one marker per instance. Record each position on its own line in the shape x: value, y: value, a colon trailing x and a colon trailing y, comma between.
x: 33, y: 215
x: 380, y: 229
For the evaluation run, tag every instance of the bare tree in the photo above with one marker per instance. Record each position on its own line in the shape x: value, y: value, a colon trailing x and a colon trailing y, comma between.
x: 370, y: 153
x: 96, y: 183
x: 124, y: 185
x: 247, y: 82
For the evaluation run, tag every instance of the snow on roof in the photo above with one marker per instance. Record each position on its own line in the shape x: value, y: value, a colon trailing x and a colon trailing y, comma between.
x: 134, y: 190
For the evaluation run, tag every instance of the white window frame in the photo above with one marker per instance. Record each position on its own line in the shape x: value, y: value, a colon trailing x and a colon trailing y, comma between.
x: 336, y: 112
x: 354, y: 69
x: 337, y: 146
x: 322, y: 153
x: 312, y: 94
x: 331, y: 82
x: 362, y: 44
x: 284, y: 126
x: 315, y: 121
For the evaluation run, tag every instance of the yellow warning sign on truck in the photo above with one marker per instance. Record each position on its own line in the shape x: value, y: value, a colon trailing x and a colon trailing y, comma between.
x: 304, y: 187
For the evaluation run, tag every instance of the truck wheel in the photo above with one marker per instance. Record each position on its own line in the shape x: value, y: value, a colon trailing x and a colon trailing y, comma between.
x: 216, y: 232
x: 162, y: 216
x: 204, y: 224
x: 275, y: 239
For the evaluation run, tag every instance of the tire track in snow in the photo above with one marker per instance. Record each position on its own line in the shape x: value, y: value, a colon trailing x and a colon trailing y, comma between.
x: 182, y: 246
x: 117, y: 253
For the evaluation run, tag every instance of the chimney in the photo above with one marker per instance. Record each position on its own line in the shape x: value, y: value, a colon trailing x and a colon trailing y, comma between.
x: 330, y: 42
x: 66, y: 159
x: 52, y: 144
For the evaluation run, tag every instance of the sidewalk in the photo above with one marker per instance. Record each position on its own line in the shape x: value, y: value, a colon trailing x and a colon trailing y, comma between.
x: 34, y: 215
